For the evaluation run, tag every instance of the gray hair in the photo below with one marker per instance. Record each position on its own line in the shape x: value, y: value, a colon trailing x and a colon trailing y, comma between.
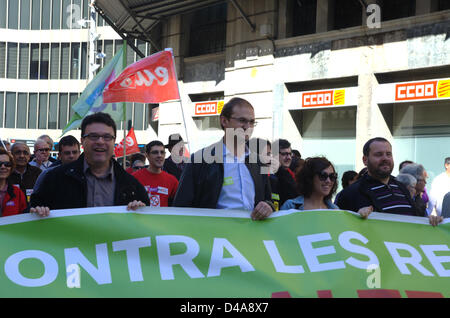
x: 407, y: 179
x: 414, y: 169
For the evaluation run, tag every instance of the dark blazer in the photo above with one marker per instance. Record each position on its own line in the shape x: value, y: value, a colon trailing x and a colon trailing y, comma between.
x: 28, y: 179
x: 65, y: 187
x: 358, y: 195
x: 201, y: 183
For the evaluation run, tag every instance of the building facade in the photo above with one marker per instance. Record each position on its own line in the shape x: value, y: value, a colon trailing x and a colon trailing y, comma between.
x: 325, y: 74
x: 44, y: 67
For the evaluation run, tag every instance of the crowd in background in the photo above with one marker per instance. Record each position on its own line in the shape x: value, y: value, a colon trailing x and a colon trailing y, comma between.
x: 38, y: 183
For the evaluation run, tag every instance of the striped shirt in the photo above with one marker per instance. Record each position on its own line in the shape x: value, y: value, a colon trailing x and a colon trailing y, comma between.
x: 391, y: 198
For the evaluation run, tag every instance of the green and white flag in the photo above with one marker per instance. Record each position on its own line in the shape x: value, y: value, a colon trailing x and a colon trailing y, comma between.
x: 91, y: 100
x: 181, y: 252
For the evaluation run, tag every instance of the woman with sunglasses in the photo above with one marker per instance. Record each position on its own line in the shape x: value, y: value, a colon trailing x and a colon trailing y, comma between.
x: 316, y: 183
x: 12, y: 199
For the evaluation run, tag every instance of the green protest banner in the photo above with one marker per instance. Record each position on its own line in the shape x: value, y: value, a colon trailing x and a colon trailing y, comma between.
x: 176, y: 252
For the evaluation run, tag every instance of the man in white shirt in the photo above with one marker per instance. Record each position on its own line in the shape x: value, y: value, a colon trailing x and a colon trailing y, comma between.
x: 439, y: 188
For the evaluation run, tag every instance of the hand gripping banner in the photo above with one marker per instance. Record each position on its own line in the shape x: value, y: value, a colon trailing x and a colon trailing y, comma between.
x: 150, y: 80
x: 181, y: 252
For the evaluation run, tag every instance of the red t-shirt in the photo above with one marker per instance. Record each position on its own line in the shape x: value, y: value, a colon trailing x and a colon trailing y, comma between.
x: 160, y: 187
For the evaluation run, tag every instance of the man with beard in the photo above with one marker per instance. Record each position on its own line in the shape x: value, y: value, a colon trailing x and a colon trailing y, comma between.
x: 378, y: 190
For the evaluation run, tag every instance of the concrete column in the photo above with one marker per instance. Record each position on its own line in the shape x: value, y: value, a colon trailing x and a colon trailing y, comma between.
x: 324, y: 15
x: 369, y: 119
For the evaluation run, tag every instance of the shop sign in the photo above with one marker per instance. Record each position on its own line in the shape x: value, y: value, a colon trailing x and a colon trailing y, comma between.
x: 422, y: 90
x: 208, y: 108
x: 334, y: 97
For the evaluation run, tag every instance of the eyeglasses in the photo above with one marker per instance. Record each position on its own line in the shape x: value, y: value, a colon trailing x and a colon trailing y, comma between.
x: 68, y: 152
x: 7, y: 164
x: 21, y: 152
x: 284, y: 154
x: 44, y: 150
x: 323, y: 176
x: 95, y: 137
x: 156, y: 152
x: 244, y: 121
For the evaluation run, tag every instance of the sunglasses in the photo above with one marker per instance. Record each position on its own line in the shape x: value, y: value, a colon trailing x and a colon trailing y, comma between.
x: 7, y: 164
x: 323, y: 176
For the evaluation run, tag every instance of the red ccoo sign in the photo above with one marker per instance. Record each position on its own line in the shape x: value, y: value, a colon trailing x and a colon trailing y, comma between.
x: 417, y: 90
x: 207, y: 108
x: 314, y: 99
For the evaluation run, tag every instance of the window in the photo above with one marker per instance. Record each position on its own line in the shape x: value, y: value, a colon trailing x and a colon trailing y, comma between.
x: 13, y: 14
x: 83, y: 60
x: 138, y: 116
x: 304, y: 20
x: 11, y: 68
x: 32, y: 113
x: 396, y: 9
x: 2, y: 59
x: 34, y: 62
x: 444, y: 5
x: 54, y: 61
x: 43, y: 68
x: 36, y: 15
x: 130, y: 55
x: 24, y: 55
x: 347, y: 13
x: 73, y: 100
x: 3, y: 14
x: 52, y: 110
x: 75, y: 61
x: 25, y: 6
x: 22, y: 110
x: 10, y: 111
x: 66, y: 16
x: 46, y: 14
x: 141, y: 45
x: 2, y: 95
x: 63, y: 110
x: 56, y: 14
x: 208, y: 30
x: 43, y: 97
x: 65, y: 55
x: 108, y: 50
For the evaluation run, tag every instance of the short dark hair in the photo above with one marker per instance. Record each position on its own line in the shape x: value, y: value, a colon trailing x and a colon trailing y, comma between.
x: 305, y: 176
x: 406, y: 162
x: 68, y: 141
x: 99, y: 117
x: 151, y: 144
x: 282, y: 144
x: 366, y: 148
x: 347, y: 177
x: 228, y: 108
x: 447, y: 161
x: 296, y: 152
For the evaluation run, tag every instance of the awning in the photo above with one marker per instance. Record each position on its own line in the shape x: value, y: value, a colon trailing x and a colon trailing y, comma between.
x: 134, y: 19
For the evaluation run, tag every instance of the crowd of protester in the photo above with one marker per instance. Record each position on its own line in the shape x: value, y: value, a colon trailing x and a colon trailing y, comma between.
x: 279, y: 178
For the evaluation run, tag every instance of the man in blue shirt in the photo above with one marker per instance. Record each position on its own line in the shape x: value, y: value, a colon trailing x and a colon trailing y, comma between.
x: 223, y: 175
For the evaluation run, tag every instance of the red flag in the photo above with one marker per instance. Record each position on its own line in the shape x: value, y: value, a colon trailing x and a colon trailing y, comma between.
x: 150, y: 80
x: 132, y: 145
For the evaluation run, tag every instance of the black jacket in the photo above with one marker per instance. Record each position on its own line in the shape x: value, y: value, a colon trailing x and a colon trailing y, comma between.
x: 201, y: 183
x: 26, y: 181
x: 65, y: 187
x: 172, y: 168
x: 286, y: 185
x: 358, y: 195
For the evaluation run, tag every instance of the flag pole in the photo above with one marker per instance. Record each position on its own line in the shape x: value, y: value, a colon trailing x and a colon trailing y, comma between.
x: 181, y: 103
x: 124, y: 61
